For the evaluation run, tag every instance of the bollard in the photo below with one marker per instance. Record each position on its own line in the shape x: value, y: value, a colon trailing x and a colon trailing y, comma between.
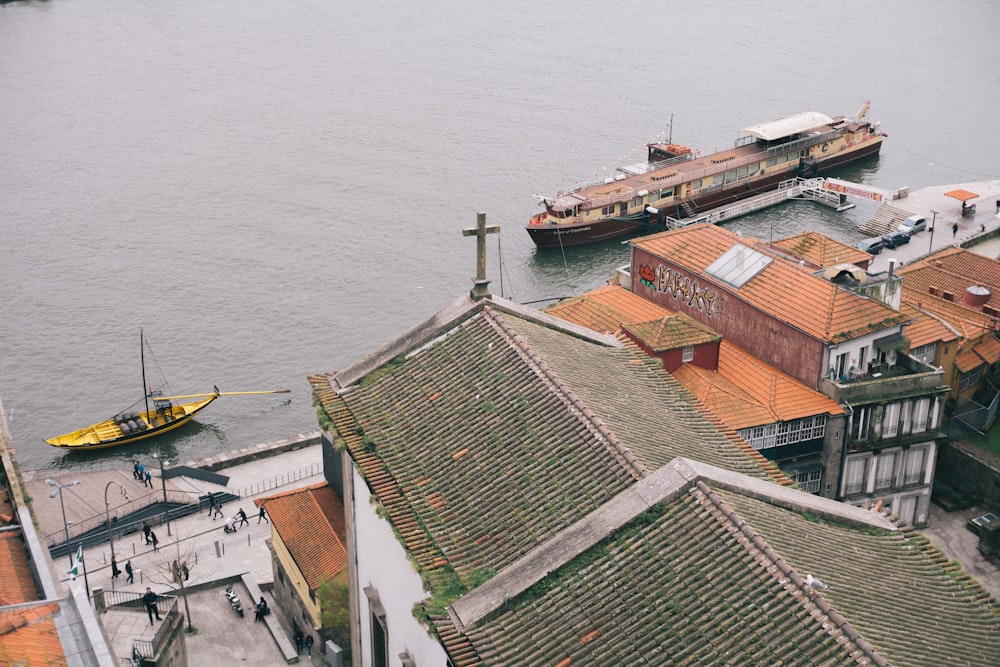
x: 218, y: 551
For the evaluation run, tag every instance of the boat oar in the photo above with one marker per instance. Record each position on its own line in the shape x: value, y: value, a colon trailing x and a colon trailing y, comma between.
x: 221, y: 393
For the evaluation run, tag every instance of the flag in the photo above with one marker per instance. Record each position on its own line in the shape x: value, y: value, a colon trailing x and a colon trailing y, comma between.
x: 77, y: 563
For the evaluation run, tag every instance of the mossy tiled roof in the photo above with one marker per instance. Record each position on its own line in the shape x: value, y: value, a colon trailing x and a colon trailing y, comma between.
x: 484, y: 442
x: 709, y: 573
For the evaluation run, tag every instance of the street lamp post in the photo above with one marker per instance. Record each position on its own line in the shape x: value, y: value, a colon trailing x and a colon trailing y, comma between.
x: 107, y: 511
x: 163, y: 482
x: 62, y: 506
x: 930, y: 248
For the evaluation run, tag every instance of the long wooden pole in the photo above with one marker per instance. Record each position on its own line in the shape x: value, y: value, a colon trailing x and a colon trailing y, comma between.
x: 224, y: 393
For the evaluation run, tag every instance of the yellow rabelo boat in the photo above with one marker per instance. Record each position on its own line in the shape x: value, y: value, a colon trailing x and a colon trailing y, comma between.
x: 131, y: 426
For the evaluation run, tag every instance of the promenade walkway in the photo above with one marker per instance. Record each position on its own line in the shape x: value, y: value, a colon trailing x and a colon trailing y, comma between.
x: 214, y: 558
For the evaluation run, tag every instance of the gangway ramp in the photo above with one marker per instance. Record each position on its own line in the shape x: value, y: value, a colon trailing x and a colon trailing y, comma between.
x: 813, y: 189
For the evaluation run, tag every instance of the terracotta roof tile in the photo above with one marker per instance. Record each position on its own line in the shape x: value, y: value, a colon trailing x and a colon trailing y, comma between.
x: 310, y: 522
x: 926, y: 328
x: 671, y: 332
x: 606, y: 308
x: 781, y: 289
x: 28, y: 636
x: 17, y: 584
x: 746, y: 392
x: 821, y: 250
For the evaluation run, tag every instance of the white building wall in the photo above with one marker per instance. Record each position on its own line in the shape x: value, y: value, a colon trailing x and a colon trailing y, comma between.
x: 383, y: 565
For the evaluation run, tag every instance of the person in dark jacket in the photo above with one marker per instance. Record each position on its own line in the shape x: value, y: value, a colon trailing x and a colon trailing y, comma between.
x: 149, y: 599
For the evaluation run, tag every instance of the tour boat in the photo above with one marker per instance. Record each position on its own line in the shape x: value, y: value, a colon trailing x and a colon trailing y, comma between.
x: 140, y: 423
x: 678, y: 182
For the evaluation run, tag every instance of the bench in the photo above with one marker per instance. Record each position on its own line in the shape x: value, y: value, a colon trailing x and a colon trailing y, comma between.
x: 272, y: 622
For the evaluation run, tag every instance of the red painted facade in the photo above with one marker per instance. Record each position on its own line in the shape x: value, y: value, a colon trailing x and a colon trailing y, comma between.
x: 716, y: 305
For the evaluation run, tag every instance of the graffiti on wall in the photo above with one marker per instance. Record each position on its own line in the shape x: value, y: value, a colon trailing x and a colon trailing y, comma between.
x: 681, y: 287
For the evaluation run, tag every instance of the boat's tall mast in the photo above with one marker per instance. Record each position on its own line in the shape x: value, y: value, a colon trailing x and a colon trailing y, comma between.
x: 142, y: 359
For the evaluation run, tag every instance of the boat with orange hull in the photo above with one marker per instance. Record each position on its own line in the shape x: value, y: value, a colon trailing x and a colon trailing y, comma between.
x: 677, y: 182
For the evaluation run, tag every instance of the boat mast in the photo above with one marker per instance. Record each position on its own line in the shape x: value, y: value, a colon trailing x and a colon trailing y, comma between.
x: 142, y: 360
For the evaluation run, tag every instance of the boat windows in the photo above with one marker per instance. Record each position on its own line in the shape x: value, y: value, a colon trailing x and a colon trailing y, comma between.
x: 695, y: 185
x: 743, y: 172
x: 608, y: 210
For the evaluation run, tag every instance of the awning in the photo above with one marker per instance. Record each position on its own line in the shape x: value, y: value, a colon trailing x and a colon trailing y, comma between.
x: 961, y: 195
x: 896, y: 341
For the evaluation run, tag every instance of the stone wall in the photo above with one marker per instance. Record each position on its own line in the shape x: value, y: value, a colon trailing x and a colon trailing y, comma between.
x: 972, y: 471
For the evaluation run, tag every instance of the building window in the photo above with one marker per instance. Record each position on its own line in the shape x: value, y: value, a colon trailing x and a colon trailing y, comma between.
x: 921, y: 407
x: 809, y: 481
x: 854, y: 477
x: 914, y: 471
x: 890, y: 421
x: 379, y: 631
x: 885, y: 471
x: 860, y: 423
x: 687, y: 354
x: 925, y: 353
x: 969, y: 379
x: 785, y: 433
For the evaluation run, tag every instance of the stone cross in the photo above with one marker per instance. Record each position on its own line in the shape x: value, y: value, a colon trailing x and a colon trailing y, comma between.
x: 480, y: 283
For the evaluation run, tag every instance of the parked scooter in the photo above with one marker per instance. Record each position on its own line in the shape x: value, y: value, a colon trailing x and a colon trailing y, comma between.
x: 234, y: 600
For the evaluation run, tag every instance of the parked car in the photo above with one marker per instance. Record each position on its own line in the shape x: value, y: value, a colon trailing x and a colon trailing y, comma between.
x: 913, y: 224
x: 871, y: 246
x: 895, y: 239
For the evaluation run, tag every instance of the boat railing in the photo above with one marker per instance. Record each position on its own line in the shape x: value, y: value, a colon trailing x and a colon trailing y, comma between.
x: 687, y: 177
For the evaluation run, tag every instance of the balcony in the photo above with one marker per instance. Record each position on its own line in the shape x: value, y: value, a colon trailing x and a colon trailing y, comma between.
x: 879, y: 382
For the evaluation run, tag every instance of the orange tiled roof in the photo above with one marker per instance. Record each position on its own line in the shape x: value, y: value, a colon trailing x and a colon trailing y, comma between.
x: 989, y: 350
x: 782, y: 290
x: 971, y: 323
x: 926, y: 328
x: 747, y: 392
x: 822, y: 250
x: 606, y: 308
x: 923, y: 277
x: 978, y: 269
x: 671, y: 332
x: 28, y: 636
x: 17, y: 584
x: 310, y: 522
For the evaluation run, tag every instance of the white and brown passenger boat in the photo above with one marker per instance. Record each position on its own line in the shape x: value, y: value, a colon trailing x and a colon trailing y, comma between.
x: 678, y: 182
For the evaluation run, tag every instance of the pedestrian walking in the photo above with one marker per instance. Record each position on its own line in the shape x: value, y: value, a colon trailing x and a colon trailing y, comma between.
x: 114, y: 568
x: 309, y: 645
x: 146, y: 530
x: 243, y: 517
x: 216, y: 508
x: 954, y: 230
x: 128, y: 571
x: 135, y: 468
x: 149, y: 479
x: 262, y: 515
x: 155, y: 542
x: 185, y: 571
x: 142, y: 472
x: 298, y: 641
x: 211, y: 502
x: 149, y: 599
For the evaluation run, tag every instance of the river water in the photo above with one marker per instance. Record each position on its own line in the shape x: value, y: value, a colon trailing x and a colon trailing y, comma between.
x: 275, y: 189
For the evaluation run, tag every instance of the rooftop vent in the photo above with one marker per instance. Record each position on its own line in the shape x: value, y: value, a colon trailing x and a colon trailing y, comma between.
x: 977, y: 295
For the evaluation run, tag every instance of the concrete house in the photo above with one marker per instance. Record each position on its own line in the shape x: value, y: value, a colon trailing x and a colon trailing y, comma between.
x: 828, y: 328
x: 523, y: 491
